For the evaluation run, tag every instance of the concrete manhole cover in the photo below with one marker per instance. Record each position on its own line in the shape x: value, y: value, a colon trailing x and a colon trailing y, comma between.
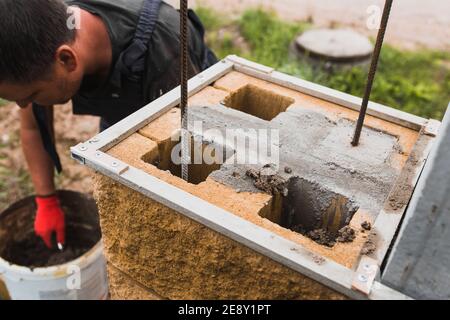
x: 337, y: 45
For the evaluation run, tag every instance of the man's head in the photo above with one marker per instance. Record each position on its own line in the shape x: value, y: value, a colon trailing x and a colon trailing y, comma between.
x: 37, y: 60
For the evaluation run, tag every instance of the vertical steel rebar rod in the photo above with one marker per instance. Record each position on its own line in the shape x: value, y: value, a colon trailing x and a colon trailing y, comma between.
x: 185, y: 154
x: 372, y: 71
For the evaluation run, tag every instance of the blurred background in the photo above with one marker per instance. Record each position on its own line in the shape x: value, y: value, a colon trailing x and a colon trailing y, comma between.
x: 413, y: 75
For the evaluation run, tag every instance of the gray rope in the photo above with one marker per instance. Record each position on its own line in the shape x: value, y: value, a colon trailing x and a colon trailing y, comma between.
x: 372, y: 71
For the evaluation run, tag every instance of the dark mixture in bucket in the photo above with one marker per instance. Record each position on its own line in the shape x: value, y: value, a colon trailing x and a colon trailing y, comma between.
x: 19, y: 245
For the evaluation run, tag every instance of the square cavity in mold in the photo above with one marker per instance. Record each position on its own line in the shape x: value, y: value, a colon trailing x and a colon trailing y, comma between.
x: 206, y: 157
x: 258, y: 102
x: 313, y: 210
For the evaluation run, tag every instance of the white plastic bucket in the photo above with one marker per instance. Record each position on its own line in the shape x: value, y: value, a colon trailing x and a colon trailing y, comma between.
x: 81, y: 279
x: 84, y: 278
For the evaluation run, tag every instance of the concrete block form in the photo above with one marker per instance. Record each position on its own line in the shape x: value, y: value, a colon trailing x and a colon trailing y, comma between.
x: 294, y: 229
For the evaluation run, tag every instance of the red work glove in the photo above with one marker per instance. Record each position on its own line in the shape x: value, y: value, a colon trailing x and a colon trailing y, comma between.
x: 49, y: 219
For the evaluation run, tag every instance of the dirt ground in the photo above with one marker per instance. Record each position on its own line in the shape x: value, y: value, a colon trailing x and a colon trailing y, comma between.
x: 413, y: 24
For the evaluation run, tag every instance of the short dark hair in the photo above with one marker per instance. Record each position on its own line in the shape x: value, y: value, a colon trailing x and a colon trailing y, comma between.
x: 30, y: 33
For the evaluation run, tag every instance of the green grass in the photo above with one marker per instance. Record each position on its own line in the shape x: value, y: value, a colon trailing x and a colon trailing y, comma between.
x: 211, y: 20
x: 3, y: 102
x: 268, y: 37
x: 221, y: 32
x: 416, y: 82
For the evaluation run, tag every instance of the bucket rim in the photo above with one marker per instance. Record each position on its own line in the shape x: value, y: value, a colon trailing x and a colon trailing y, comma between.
x: 56, y: 271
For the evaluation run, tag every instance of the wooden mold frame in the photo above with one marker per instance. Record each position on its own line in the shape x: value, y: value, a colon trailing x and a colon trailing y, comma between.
x: 360, y: 284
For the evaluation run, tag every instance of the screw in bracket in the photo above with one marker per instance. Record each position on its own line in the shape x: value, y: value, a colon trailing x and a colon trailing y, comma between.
x: 362, y: 278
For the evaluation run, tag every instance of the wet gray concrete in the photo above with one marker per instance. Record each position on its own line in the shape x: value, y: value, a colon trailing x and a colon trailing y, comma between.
x: 316, y: 150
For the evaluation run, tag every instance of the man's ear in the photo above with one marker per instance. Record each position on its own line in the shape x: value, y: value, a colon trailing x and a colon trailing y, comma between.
x: 67, y: 58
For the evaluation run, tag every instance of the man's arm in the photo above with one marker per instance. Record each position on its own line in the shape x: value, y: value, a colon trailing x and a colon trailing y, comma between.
x: 49, y: 215
x: 40, y: 164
